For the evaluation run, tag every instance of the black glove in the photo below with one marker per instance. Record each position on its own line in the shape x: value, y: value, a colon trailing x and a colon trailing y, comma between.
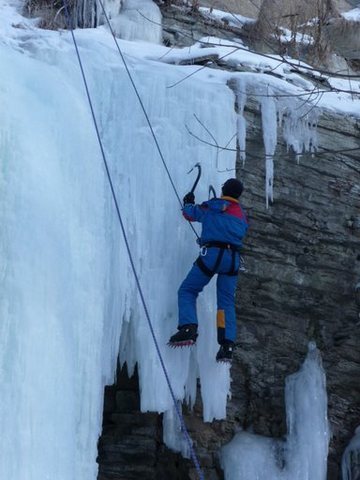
x: 189, y: 198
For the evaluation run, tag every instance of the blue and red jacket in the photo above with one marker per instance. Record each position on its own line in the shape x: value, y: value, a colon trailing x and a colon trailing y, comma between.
x: 223, y: 220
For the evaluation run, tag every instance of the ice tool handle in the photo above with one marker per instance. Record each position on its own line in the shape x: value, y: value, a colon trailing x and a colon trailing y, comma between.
x: 198, y: 166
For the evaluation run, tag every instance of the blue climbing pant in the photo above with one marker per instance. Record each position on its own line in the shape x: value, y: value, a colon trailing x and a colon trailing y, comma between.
x: 226, y: 270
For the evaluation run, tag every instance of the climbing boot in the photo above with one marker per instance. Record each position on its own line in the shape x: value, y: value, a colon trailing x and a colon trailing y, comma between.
x: 225, y: 353
x: 186, y: 336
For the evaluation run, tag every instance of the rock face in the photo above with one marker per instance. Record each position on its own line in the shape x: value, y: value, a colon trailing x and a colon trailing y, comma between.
x: 303, y: 266
x: 131, y: 443
x: 344, y: 38
x: 302, y: 283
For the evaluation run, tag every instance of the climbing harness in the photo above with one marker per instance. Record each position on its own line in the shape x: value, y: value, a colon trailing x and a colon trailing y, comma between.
x: 126, y: 240
x: 222, y: 248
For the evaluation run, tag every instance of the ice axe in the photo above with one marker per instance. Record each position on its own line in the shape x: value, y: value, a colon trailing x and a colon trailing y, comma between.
x: 198, y: 166
x: 212, y: 192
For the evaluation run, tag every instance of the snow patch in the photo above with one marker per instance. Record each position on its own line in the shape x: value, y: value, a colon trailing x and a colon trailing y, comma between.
x: 353, y: 15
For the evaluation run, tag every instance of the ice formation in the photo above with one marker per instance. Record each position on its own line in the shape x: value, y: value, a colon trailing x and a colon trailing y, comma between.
x: 89, y: 13
x: 129, y: 19
x: 295, y: 119
x: 299, y: 125
x: 350, y: 463
x: 138, y: 20
x: 269, y: 127
x: 173, y: 436
x: 241, y: 121
x: 303, y: 455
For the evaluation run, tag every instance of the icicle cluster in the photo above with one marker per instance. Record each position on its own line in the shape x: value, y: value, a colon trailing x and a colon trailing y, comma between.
x: 295, y: 119
x: 299, y: 125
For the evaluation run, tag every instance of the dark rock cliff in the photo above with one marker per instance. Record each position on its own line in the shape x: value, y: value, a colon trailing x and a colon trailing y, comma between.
x: 303, y: 261
x: 303, y: 265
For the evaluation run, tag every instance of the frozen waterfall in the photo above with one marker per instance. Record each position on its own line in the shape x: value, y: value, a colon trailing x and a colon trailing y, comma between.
x: 68, y: 297
x: 69, y: 303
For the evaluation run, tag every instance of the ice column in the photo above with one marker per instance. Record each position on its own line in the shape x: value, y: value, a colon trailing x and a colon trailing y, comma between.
x: 269, y: 126
x: 304, y: 453
x: 350, y: 464
x: 307, y: 423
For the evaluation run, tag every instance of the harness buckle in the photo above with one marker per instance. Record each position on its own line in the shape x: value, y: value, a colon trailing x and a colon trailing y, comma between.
x: 203, y: 251
x: 242, y: 267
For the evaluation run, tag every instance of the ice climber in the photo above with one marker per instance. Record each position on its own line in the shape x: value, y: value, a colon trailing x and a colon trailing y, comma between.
x: 224, y: 226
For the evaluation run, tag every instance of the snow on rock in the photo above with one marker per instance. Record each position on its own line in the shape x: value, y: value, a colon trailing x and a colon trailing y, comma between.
x: 304, y: 453
x: 232, y: 19
x: 353, y: 15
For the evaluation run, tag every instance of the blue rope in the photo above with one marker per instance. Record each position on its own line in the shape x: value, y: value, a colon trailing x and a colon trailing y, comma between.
x: 179, y: 414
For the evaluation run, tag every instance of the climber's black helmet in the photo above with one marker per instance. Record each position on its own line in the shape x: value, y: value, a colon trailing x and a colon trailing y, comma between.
x: 232, y: 188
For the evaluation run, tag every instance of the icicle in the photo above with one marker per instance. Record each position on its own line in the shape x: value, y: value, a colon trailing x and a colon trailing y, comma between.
x: 269, y: 179
x: 173, y: 436
x: 350, y: 463
x: 269, y: 126
x: 241, y: 122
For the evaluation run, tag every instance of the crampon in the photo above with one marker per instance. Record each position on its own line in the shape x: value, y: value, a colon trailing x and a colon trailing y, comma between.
x: 185, y: 337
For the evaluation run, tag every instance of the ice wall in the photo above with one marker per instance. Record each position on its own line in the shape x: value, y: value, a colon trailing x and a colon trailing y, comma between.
x: 304, y: 453
x: 68, y: 298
